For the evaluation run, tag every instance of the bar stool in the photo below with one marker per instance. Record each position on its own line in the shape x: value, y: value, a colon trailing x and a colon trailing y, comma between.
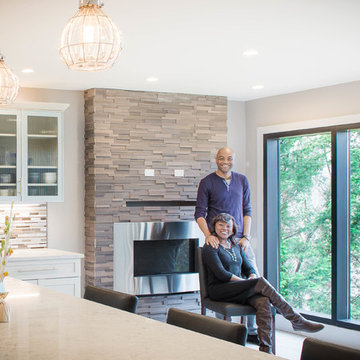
x: 111, y: 298
x: 220, y: 329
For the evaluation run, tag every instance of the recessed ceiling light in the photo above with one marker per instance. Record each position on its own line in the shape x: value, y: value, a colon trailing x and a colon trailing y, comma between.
x: 257, y: 87
x: 152, y: 79
x: 250, y: 52
x: 27, y: 71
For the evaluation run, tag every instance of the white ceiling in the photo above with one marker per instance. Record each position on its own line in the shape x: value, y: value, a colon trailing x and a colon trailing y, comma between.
x: 194, y: 46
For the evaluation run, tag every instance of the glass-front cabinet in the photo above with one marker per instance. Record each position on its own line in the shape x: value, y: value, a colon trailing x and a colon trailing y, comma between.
x: 31, y: 156
x: 42, y: 156
x: 9, y: 131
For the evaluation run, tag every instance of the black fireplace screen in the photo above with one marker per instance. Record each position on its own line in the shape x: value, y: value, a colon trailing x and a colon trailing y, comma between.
x: 161, y: 257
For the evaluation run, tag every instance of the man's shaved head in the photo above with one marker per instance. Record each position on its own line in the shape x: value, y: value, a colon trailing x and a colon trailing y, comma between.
x: 225, y: 151
x: 224, y: 161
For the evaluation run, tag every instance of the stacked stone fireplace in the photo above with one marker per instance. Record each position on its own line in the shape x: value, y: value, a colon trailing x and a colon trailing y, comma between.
x: 127, y: 132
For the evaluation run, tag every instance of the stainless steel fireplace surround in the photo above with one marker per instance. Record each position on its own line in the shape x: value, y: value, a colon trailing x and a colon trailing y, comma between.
x: 156, y: 257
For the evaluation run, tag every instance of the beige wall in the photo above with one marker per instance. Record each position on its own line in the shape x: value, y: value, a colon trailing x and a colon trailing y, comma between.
x: 236, y: 133
x: 66, y: 219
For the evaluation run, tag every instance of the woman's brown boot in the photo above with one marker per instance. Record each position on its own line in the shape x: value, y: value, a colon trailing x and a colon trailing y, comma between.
x: 298, y: 322
x: 263, y: 321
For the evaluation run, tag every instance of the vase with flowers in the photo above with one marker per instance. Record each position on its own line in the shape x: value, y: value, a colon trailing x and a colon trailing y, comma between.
x: 5, y: 251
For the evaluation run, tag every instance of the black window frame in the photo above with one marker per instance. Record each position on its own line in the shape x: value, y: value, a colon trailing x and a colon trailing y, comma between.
x: 340, y: 219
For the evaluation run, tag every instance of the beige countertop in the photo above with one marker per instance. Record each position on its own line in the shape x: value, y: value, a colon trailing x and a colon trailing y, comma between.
x: 43, y: 254
x: 46, y: 324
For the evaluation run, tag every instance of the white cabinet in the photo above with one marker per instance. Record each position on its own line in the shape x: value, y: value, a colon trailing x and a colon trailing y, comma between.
x: 55, y: 269
x: 9, y: 149
x: 69, y: 286
x: 31, y: 150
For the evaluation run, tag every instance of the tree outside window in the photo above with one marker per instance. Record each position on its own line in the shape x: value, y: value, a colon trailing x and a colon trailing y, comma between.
x: 312, y: 221
x: 355, y: 224
x: 305, y: 218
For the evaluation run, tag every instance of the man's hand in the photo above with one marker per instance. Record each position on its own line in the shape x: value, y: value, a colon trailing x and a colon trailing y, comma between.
x: 212, y: 240
x: 244, y: 243
x: 252, y: 276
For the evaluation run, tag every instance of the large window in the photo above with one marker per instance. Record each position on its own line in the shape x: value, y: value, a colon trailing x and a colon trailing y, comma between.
x: 312, y: 221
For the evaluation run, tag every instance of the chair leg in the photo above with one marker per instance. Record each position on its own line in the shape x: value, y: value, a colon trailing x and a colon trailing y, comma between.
x: 227, y: 318
x: 242, y: 320
x: 273, y: 335
x: 203, y: 310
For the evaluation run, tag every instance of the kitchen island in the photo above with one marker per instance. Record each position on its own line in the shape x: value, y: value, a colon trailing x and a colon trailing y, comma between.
x: 46, y: 324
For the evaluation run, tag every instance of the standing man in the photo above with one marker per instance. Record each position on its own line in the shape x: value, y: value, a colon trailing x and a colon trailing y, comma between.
x: 226, y: 191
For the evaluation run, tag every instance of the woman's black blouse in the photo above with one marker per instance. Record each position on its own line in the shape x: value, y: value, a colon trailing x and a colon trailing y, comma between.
x: 222, y: 263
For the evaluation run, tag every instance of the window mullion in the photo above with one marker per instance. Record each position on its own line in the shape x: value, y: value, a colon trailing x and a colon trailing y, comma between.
x: 341, y: 226
x: 272, y: 212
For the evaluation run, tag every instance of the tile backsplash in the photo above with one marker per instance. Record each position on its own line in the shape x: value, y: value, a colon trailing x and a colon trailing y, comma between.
x: 29, y: 227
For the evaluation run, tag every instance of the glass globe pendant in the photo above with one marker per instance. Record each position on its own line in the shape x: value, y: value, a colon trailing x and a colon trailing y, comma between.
x: 9, y: 84
x: 90, y: 41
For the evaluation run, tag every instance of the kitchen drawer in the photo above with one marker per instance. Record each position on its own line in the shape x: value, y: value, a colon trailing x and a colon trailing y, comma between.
x: 44, y: 269
x: 70, y: 286
x: 32, y: 281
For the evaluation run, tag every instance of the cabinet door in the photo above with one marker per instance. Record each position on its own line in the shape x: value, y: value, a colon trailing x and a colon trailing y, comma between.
x: 42, y: 156
x: 9, y: 150
x: 70, y: 286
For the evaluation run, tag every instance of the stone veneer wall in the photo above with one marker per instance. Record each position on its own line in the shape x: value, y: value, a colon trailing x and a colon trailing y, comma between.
x: 127, y: 132
x: 156, y: 307
x: 29, y: 226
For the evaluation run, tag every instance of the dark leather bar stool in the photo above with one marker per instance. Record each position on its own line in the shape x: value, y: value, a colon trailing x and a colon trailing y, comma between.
x: 220, y: 329
x: 111, y: 298
x: 224, y: 308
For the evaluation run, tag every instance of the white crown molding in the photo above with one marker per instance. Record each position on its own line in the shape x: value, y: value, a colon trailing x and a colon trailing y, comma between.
x: 33, y: 105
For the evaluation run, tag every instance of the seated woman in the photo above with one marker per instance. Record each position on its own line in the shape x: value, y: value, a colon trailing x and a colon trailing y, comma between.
x: 225, y: 266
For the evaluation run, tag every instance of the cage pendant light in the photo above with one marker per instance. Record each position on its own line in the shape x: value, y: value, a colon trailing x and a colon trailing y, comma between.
x: 90, y: 41
x: 9, y: 84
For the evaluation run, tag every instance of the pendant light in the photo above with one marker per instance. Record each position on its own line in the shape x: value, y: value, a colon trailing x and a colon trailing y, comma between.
x: 9, y: 84
x: 90, y: 41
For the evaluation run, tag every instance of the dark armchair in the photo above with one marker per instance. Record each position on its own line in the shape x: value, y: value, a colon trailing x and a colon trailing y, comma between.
x: 224, y: 308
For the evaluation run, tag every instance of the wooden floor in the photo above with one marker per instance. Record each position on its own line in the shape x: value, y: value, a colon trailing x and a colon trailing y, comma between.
x: 288, y: 345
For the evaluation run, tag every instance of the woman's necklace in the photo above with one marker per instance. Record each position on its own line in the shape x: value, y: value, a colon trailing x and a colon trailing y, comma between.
x: 230, y: 251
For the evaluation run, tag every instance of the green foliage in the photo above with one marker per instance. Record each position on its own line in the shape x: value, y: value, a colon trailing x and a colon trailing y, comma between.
x: 305, y: 217
x: 305, y: 213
